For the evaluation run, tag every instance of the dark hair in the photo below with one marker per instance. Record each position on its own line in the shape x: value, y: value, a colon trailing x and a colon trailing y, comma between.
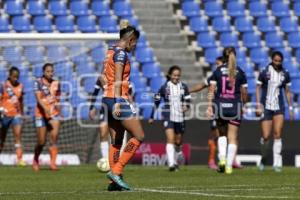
x: 128, y: 31
x: 171, y: 70
x: 277, y: 53
x: 220, y: 58
x: 46, y: 65
x: 12, y: 69
x: 229, y: 57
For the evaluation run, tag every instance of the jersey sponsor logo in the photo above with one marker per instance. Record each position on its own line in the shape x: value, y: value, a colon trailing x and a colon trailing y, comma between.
x: 226, y: 105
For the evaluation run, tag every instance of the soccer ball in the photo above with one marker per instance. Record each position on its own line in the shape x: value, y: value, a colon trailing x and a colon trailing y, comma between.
x: 103, y: 165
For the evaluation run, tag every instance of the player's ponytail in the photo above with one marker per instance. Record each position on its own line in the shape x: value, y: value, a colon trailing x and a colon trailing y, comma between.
x: 230, y: 58
x: 127, y: 31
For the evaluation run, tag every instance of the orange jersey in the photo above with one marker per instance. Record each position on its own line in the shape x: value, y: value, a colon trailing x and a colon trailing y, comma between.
x: 116, y: 55
x: 49, y: 93
x: 11, y: 98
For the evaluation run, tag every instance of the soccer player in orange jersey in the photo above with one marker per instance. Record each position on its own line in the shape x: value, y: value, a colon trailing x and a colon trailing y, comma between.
x: 11, y: 107
x: 119, y: 111
x: 47, y: 92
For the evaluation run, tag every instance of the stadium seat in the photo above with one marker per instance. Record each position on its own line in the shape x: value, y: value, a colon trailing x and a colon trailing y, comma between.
x: 251, y: 85
x: 297, y: 8
x: 229, y: 39
x: 294, y: 39
x: 144, y: 101
x: 134, y: 70
x: 298, y: 54
x: 190, y: 9
x: 248, y: 68
x: 3, y: 73
x: 12, y: 54
x: 213, y: 9
x: 293, y: 68
x: 251, y: 40
x: 79, y: 8
x: 64, y: 70
x: 144, y: 55
x: 259, y: 55
x: 108, y: 24
x: 211, y: 54
x: 58, y: 8
x: 133, y: 21
x: 98, y: 54
x: 280, y: 9
x: 221, y: 24
x: 265, y: 24
x: 36, y: 8
x: 198, y: 24
x: 258, y: 9
x: 139, y: 83
x: 273, y: 40
x: 150, y: 70
x: 122, y: 8
x: 156, y: 82
x: 243, y: 24
x: 288, y: 24
x: 37, y: 70
x: 65, y: 24
x: 206, y: 39
x: 101, y: 8
x: 21, y: 23
x: 4, y: 24
x: 13, y: 7
x: 43, y: 24
x: 142, y: 41
x: 85, y: 68
x: 295, y: 88
x: 89, y: 83
x: 235, y: 9
x: 56, y: 53
x: 34, y: 53
x: 240, y: 55
x: 87, y: 24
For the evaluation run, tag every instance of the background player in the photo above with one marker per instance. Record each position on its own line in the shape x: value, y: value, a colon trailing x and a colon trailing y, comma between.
x: 231, y: 84
x: 269, y: 97
x: 47, y: 115
x: 177, y: 99
x: 11, y: 109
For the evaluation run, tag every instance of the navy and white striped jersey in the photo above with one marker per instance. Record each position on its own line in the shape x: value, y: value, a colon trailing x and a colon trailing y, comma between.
x: 228, y: 90
x: 174, y: 96
x: 272, y: 83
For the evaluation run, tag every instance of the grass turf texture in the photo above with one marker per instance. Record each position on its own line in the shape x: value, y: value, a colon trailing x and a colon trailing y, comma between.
x: 193, y: 182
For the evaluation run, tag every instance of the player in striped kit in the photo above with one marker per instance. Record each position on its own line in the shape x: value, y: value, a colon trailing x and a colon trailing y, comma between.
x: 177, y: 99
x: 270, y: 105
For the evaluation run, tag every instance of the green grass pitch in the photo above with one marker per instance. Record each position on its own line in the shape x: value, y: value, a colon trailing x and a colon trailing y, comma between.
x: 192, y: 182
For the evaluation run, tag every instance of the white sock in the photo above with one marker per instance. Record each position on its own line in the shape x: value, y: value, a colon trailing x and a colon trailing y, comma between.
x: 231, y: 154
x: 222, y: 145
x: 170, y: 150
x: 104, y: 149
x: 277, y: 159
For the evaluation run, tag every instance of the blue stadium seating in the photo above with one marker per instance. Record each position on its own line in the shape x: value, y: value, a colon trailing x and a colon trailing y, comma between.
x: 221, y: 24
x: 213, y: 9
x: 36, y: 8
x: 297, y: 8
x: 43, y: 24
x: 34, y: 53
x: 190, y: 9
x: 100, y: 8
x: 265, y: 24
x: 293, y: 68
x: 198, y: 24
x: 65, y: 24
x: 240, y: 55
x: 251, y: 85
x: 142, y: 42
x: 150, y: 70
x: 139, y: 83
x: 58, y: 8
x: 259, y: 55
x: 258, y: 9
x: 21, y: 23
x: 12, y: 54
x: 243, y: 24
x: 295, y: 88
x: 251, y: 40
x: 98, y: 54
x: 298, y: 54
x: 133, y: 21
x: 235, y: 9
x: 144, y: 55
x: 108, y: 24
x: 211, y: 54
x: 79, y: 8
x: 294, y: 39
x: 280, y: 9
x: 122, y: 8
x: 56, y: 53
x: 288, y: 24
x: 14, y: 7
x: 37, y: 70
x: 274, y: 40
x: 156, y: 82
x: 4, y: 24
x: 229, y: 39
x: 87, y: 24
x: 206, y: 39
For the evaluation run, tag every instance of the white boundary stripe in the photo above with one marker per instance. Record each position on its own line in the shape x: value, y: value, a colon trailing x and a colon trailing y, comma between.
x: 212, y: 194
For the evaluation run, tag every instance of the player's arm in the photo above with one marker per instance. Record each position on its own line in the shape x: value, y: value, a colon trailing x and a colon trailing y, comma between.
x: 186, y: 99
x: 288, y: 94
x: 98, y: 86
x: 1, y: 105
x: 259, y: 107
x: 212, y: 84
x: 22, y: 103
x: 157, y: 100
x: 58, y: 97
x: 198, y: 87
x: 38, y: 95
x: 244, y: 89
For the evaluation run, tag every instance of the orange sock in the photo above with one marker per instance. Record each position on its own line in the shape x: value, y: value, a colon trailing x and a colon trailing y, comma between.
x: 114, y: 154
x: 53, y: 150
x: 212, y: 150
x: 129, y: 151
x: 19, y: 153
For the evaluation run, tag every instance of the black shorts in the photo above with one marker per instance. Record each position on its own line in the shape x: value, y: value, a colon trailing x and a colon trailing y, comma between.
x: 229, y: 112
x: 179, y: 127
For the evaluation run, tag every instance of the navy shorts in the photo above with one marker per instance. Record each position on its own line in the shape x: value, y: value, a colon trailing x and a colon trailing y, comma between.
x: 269, y: 114
x: 229, y: 112
x: 41, y: 122
x: 127, y: 110
x: 178, y: 127
x: 6, y: 121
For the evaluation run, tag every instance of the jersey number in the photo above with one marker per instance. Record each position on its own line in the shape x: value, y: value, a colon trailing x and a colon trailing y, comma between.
x: 227, y: 88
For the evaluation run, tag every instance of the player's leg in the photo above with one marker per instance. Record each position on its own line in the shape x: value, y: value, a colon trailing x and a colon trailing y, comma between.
x: 266, y: 127
x: 179, y: 131
x: 17, y: 131
x: 232, y: 146
x: 104, y: 139
x: 54, y: 126
x: 170, y: 147
x: 213, y: 135
x: 41, y: 140
x: 222, y: 144
x: 278, y: 121
x: 5, y: 124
